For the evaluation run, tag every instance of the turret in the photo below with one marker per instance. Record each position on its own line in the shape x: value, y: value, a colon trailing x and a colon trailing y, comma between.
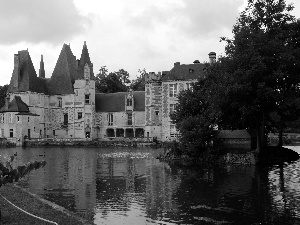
x: 42, y: 69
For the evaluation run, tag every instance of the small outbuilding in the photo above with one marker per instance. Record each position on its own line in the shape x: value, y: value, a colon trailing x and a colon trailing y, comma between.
x: 236, y: 139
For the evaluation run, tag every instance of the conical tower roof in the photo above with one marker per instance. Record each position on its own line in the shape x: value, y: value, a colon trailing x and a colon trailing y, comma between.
x: 64, y: 74
x: 84, y: 59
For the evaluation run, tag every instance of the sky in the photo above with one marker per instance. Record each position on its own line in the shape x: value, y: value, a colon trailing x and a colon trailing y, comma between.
x: 120, y: 34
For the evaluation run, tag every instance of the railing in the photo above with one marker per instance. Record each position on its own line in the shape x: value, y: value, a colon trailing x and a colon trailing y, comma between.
x: 57, y: 139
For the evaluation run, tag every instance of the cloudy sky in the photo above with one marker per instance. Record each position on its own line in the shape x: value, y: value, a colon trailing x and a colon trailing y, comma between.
x: 121, y: 34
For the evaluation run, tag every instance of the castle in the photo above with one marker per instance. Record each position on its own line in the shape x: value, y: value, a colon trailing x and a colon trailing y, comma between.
x: 66, y: 105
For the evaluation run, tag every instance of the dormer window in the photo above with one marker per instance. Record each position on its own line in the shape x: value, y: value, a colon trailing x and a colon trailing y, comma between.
x: 129, y: 101
x: 59, y: 102
x: 191, y: 70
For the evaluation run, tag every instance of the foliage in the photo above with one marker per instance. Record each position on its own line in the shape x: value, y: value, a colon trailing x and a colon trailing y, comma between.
x: 263, y: 57
x: 3, y: 91
x: 257, y: 77
x: 123, y: 76
x: 8, y: 174
x: 112, y: 82
x: 193, y: 119
x: 139, y: 83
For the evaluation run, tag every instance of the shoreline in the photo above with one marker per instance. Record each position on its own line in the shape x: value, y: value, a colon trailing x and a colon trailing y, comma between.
x: 270, y: 155
x: 35, y: 205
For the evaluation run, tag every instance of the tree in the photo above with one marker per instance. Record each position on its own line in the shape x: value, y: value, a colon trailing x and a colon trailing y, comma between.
x: 257, y: 77
x: 195, y: 119
x: 265, y: 62
x: 123, y: 76
x: 139, y: 83
x: 3, y: 92
x: 112, y: 82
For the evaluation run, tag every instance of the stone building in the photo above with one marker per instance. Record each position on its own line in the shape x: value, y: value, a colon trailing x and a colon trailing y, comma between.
x: 66, y: 105
x: 61, y: 106
x: 161, y: 93
x: 120, y: 114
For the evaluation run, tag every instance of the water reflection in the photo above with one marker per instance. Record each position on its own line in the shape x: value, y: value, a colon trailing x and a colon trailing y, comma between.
x: 129, y: 186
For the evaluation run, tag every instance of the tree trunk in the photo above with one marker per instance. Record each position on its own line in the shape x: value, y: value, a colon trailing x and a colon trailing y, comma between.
x: 280, y: 133
x: 263, y: 130
x: 258, y: 142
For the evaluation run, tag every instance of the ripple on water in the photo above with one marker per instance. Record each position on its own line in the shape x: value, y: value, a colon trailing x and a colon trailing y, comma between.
x: 133, y: 155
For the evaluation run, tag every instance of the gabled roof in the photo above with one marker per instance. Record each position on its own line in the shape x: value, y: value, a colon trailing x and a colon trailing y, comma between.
x: 233, y: 134
x: 115, y: 102
x: 16, y: 105
x: 64, y: 74
x: 186, y: 72
x: 24, y: 76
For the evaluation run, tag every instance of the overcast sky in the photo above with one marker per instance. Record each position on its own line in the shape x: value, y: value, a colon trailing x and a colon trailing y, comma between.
x: 121, y: 34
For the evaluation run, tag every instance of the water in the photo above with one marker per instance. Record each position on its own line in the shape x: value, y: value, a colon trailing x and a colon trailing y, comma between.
x: 130, y: 186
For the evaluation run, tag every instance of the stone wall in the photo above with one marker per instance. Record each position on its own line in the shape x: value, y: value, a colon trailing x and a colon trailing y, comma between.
x: 239, y: 158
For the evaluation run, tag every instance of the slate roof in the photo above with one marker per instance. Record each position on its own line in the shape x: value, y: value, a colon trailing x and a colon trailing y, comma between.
x: 185, y: 72
x: 64, y: 74
x: 85, y: 58
x: 66, y: 71
x: 16, y: 105
x: 115, y: 102
x: 24, y: 77
x: 233, y: 134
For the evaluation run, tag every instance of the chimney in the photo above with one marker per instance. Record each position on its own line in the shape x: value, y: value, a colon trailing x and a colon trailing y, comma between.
x: 16, y: 72
x: 7, y: 101
x: 176, y: 63
x: 212, y: 57
x: 42, y: 69
x: 16, y: 61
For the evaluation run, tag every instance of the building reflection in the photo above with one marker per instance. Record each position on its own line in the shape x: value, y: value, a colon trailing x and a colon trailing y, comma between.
x: 126, y: 186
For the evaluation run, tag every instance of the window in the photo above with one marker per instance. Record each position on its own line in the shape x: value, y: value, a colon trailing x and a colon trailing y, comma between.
x: 2, y: 118
x: 33, y: 128
x: 189, y: 86
x: 157, y: 113
x: 11, y: 133
x: 129, y: 119
x: 110, y: 119
x: 172, y: 130
x: 173, y: 90
x: 59, y: 102
x: 66, y: 119
x: 191, y: 70
x: 76, y: 92
x: 129, y: 102
x: 172, y: 108
x: 10, y: 117
x: 28, y: 119
x: 87, y: 99
x: 18, y: 118
x: 53, y: 132
x: 79, y: 115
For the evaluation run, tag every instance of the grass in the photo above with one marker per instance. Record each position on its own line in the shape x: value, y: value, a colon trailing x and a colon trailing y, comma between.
x: 32, y: 204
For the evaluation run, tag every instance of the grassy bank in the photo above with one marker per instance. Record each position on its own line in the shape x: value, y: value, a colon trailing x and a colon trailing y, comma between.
x: 34, y: 205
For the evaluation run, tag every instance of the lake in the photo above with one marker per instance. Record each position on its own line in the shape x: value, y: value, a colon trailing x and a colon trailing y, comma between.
x: 130, y: 186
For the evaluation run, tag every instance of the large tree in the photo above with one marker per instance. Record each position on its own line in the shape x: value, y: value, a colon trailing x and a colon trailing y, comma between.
x: 139, y: 83
x: 111, y: 82
x: 3, y: 93
x: 257, y: 77
x: 264, y: 52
